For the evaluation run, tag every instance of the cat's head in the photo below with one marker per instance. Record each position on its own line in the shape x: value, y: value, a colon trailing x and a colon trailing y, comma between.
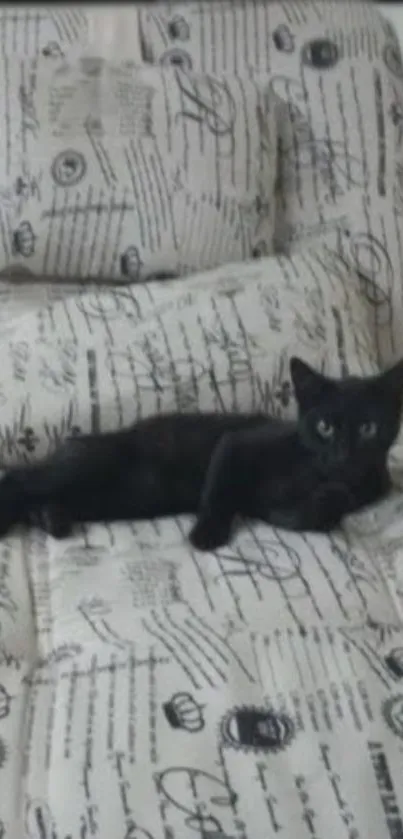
x: 348, y: 421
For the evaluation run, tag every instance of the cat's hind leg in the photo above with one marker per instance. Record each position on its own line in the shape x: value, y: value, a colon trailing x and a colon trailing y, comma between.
x: 25, y: 490
x: 13, y: 510
x: 54, y: 519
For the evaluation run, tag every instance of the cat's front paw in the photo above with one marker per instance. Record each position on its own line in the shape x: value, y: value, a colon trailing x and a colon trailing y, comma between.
x: 330, y: 508
x: 209, y: 535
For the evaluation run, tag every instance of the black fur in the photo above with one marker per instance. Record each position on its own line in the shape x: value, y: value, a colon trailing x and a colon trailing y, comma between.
x: 303, y: 475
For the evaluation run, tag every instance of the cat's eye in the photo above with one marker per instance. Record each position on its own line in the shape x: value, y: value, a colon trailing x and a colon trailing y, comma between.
x: 325, y: 429
x: 368, y: 430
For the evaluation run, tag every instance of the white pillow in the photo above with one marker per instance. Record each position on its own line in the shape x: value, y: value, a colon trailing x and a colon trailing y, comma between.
x: 68, y: 31
x: 113, y: 171
x: 222, y: 341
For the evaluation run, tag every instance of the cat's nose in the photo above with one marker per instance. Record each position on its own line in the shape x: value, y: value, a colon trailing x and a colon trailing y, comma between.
x: 341, y: 456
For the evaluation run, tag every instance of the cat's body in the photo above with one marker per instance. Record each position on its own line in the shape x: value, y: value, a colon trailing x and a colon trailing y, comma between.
x: 303, y: 475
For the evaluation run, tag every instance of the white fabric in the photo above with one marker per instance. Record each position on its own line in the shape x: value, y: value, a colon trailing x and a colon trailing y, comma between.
x: 146, y: 690
x: 99, y: 360
x: 113, y: 171
x: 124, y: 652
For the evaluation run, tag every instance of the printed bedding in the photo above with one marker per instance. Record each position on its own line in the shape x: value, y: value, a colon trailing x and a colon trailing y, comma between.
x: 146, y: 690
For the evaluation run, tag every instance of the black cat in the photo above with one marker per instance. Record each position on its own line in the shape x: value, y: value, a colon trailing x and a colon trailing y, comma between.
x: 303, y: 475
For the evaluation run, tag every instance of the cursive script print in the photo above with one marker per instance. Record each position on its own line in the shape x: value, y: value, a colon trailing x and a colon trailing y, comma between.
x: 132, y: 625
x: 209, y: 103
x: 58, y: 366
x: 8, y: 603
x: 3, y: 753
x: 40, y: 822
x: 96, y: 613
x: 5, y: 701
x: 25, y: 187
x: 273, y: 563
x: 202, y: 653
x: 201, y: 798
x: 339, y: 169
x: 26, y: 96
x: 368, y: 256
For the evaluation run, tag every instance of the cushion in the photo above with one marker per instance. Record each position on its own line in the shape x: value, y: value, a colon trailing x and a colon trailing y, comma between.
x: 69, y: 31
x: 118, y: 171
x: 130, y: 663
x: 258, y: 690
x: 337, y: 71
x: 99, y: 360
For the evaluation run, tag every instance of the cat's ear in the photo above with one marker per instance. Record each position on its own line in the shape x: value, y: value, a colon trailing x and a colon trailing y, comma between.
x: 309, y: 385
x: 392, y: 379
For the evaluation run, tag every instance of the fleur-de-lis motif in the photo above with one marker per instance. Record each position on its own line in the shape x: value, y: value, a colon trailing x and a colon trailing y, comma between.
x: 4, y: 704
x: 75, y: 431
x: 283, y: 394
x: 28, y: 440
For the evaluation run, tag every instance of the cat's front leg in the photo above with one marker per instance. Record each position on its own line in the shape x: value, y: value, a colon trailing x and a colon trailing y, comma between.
x: 322, y: 512
x: 332, y: 503
x: 219, y: 500
x: 327, y: 508
x: 373, y: 486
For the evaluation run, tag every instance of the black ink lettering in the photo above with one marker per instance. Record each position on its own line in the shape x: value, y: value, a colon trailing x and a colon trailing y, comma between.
x: 209, y: 103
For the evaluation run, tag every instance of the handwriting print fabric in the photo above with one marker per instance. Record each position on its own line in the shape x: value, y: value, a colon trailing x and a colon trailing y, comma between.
x: 118, y: 172
x: 100, y: 360
x: 130, y: 662
x: 146, y: 691
x: 336, y: 70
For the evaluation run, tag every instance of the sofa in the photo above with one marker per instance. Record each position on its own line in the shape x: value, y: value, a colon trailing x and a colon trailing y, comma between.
x: 190, y: 193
